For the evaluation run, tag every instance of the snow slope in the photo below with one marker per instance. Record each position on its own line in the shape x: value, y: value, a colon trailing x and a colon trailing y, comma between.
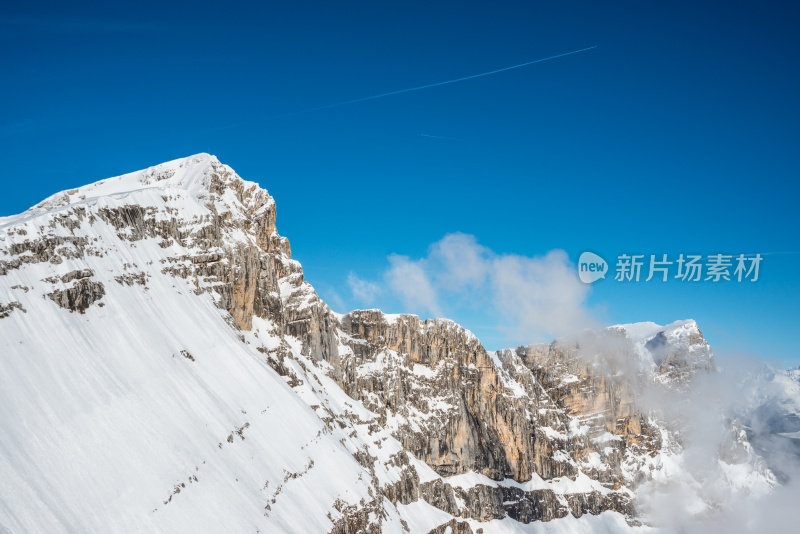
x: 107, y: 426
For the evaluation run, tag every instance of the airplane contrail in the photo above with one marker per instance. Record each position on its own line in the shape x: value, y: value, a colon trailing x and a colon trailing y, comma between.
x: 776, y: 253
x: 439, y: 137
x: 437, y: 84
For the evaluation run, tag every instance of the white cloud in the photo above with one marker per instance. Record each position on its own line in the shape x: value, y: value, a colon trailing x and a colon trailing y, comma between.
x: 364, y: 291
x: 459, y: 262
x: 532, y: 298
x: 539, y: 297
x: 410, y: 282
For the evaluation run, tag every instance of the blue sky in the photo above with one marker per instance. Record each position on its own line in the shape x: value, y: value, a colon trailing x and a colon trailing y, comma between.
x: 678, y: 133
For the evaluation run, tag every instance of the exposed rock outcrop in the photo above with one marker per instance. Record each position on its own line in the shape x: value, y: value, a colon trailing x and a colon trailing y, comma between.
x: 79, y: 296
x: 6, y: 309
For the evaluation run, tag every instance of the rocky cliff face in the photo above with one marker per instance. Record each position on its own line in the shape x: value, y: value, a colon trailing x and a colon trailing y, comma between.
x: 430, y: 417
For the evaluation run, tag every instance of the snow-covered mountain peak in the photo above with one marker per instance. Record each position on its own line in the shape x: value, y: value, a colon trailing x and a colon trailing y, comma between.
x: 646, y: 330
x: 195, y: 202
x: 183, y: 188
x: 187, y: 173
x: 674, y: 351
x: 157, y: 339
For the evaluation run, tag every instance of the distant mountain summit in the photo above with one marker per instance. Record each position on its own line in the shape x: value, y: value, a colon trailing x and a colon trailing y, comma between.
x: 166, y: 367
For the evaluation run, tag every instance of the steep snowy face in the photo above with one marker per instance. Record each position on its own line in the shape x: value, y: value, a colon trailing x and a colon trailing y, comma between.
x: 134, y: 391
x: 164, y: 366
